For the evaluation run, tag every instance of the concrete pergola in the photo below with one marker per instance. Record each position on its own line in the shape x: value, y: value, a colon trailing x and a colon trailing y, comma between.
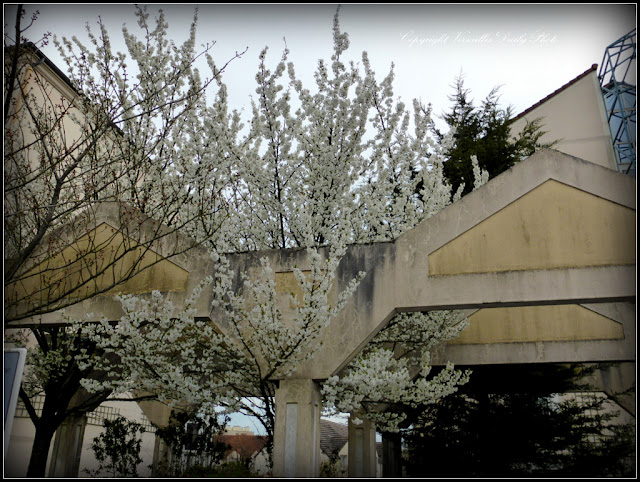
x: 542, y: 258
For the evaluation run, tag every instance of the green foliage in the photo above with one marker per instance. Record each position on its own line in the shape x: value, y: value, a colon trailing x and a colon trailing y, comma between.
x: 331, y: 468
x: 614, y: 458
x: 229, y: 469
x: 486, y: 133
x: 117, y: 449
x: 192, y: 439
x: 485, y: 430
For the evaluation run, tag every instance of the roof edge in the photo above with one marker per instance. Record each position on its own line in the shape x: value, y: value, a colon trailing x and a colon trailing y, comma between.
x: 593, y: 68
x: 47, y: 61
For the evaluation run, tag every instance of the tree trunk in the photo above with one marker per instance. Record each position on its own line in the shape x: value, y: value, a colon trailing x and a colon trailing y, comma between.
x: 40, y: 451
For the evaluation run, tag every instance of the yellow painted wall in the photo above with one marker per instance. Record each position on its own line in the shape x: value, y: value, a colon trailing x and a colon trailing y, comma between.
x: 538, y: 323
x: 91, y: 264
x: 553, y: 226
x: 287, y: 287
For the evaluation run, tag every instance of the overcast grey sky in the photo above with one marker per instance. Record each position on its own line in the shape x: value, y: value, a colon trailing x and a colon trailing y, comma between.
x: 531, y: 50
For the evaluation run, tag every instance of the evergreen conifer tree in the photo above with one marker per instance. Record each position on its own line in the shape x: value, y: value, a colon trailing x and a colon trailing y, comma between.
x: 484, y: 131
x: 522, y: 428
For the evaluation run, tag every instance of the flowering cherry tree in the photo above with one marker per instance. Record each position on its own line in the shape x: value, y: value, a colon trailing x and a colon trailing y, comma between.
x: 392, y: 371
x: 341, y: 170
x: 317, y: 170
x: 120, y: 133
x: 341, y: 167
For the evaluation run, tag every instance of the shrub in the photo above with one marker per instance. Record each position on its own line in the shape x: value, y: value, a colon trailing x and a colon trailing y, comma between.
x: 117, y: 449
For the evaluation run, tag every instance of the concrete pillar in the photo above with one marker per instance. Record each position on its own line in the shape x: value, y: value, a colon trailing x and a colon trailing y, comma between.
x: 67, y: 447
x: 391, y: 454
x: 162, y: 456
x: 618, y: 382
x: 159, y: 414
x: 361, y: 448
x: 296, y: 444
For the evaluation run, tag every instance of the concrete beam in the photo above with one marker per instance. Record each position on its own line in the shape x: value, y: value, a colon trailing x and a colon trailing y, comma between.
x: 382, y: 296
x: 552, y: 351
x: 398, y: 277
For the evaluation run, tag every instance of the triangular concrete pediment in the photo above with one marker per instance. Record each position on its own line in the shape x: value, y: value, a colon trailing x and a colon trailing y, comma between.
x: 550, y: 211
x: 110, y: 249
x: 553, y: 230
x: 94, y: 263
x: 552, y: 226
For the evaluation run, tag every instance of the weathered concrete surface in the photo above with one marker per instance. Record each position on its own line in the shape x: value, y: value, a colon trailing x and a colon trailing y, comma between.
x: 398, y: 276
x: 577, y: 349
x: 618, y: 381
x: 599, y: 287
x: 296, y: 450
x: 541, y: 230
x: 164, y: 260
x: 362, y: 449
x: 601, y: 267
x: 521, y: 324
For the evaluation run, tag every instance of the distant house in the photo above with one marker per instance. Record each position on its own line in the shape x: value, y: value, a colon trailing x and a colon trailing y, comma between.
x: 334, y: 446
x: 246, y: 447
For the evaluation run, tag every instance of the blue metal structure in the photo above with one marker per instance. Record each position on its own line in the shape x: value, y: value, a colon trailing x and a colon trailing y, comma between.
x: 617, y: 82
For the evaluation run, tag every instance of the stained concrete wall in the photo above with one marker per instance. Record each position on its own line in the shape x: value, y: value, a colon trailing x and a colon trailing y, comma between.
x: 552, y: 226
x: 165, y: 261
x: 552, y: 230
x: 412, y: 274
x: 399, y: 274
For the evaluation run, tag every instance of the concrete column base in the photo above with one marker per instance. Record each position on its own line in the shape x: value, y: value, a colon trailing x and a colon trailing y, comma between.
x: 618, y: 382
x: 67, y: 448
x: 296, y: 444
x: 161, y: 459
x: 362, y: 448
x: 391, y: 454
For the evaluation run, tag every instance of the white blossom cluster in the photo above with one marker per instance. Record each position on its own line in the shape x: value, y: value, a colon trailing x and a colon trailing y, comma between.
x: 154, y: 350
x: 336, y: 164
x: 254, y: 318
x: 379, y: 380
x: 128, y: 131
x: 344, y: 163
x: 48, y: 367
x: 480, y: 176
x: 393, y: 370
